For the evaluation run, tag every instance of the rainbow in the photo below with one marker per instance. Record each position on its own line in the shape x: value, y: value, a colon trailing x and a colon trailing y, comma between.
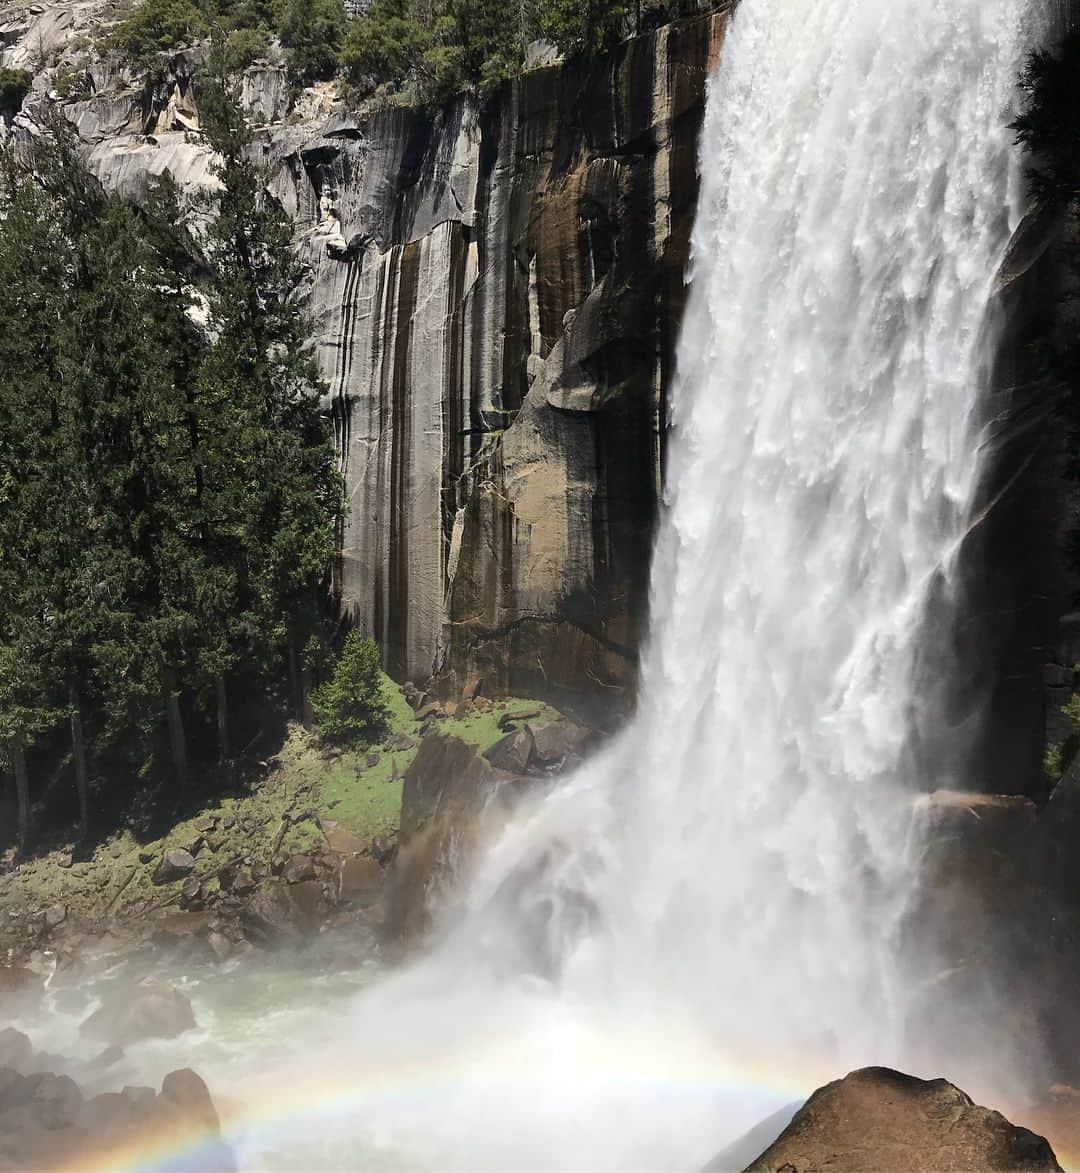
x: 285, y: 1099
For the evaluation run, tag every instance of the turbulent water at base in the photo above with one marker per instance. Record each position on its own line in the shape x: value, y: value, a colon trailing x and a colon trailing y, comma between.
x: 704, y: 922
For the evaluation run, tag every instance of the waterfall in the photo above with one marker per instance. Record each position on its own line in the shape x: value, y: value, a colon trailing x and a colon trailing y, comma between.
x: 706, y: 919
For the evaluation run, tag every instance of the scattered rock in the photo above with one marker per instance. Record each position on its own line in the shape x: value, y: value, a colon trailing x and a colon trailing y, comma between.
x: 432, y: 711
x: 175, y: 864
x: 146, y: 856
x: 55, y: 915
x: 481, y: 704
x: 508, y: 720
x: 372, y: 760
x: 280, y: 914
x: 340, y: 840
x: 191, y: 892
x: 878, y: 1121
x: 471, y: 689
x: 205, y: 824
x: 116, y: 850
x: 65, y: 860
x: 228, y: 822
x: 513, y: 752
x: 152, y: 1009
x: 555, y: 744
x: 16, y: 982
x: 400, y: 742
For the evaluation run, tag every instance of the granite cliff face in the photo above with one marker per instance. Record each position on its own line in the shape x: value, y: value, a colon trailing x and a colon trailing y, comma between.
x: 497, y: 293
x: 496, y: 290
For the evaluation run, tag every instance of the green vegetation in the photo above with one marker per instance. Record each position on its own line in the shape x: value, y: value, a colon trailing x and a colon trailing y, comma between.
x: 1049, y: 127
x: 274, y: 814
x: 444, y: 46
x: 155, y: 26
x: 14, y: 86
x: 168, y: 493
x: 426, y: 50
x: 350, y: 705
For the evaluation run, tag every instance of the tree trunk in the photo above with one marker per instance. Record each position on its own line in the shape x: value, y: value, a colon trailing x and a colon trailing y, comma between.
x: 307, y: 713
x: 177, y: 741
x: 78, y: 750
x: 294, y: 684
x: 22, y: 791
x: 222, y: 718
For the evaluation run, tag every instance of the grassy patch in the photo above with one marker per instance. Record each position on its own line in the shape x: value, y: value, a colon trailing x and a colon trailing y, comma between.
x: 359, y: 787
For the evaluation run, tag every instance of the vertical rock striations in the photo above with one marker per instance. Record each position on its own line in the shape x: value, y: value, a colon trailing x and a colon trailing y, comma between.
x: 497, y: 293
x: 496, y: 290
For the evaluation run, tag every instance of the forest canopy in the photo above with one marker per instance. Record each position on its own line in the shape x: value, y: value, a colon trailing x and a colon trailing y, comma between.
x: 169, y: 496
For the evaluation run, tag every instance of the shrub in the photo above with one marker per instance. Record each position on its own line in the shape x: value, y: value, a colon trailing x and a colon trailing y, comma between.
x: 155, y: 26
x: 243, y: 46
x: 351, y: 705
x: 14, y: 86
x: 312, y: 32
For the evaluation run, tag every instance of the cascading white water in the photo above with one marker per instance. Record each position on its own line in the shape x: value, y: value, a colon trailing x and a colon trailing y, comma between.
x: 702, y: 924
x: 718, y: 894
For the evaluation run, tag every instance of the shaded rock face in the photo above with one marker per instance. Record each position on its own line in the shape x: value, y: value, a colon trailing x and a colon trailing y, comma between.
x: 496, y: 292
x: 451, y: 801
x: 881, y: 1121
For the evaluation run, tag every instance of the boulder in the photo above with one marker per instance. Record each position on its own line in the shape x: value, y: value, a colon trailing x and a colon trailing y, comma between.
x: 512, y: 752
x: 176, y: 864
x: 152, y: 1009
x: 358, y: 877
x: 19, y: 984
x: 880, y: 1121
x: 279, y: 914
x: 340, y: 840
x: 297, y: 869
x: 16, y: 1051
x: 559, y: 743
x: 46, y: 1123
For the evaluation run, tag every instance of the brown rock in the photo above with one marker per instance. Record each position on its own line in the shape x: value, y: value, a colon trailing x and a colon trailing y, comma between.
x: 559, y: 742
x: 358, y: 878
x: 18, y: 983
x: 512, y: 752
x: 185, y: 1092
x: 340, y: 840
x: 280, y: 914
x: 297, y: 869
x: 882, y: 1121
x: 175, y: 864
x: 152, y: 1009
x: 16, y: 1050
x: 508, y: 720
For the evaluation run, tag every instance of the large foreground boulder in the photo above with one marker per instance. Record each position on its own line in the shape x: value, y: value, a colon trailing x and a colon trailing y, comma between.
x: 881, y: 1121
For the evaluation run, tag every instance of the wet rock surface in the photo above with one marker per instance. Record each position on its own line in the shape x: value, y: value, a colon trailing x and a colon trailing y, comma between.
x: 881, y: 1121
x: 48, y: 1122
x: 153, y: 1009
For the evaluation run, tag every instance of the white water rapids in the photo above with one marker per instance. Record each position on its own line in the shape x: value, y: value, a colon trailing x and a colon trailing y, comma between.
x: 707, y: 923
